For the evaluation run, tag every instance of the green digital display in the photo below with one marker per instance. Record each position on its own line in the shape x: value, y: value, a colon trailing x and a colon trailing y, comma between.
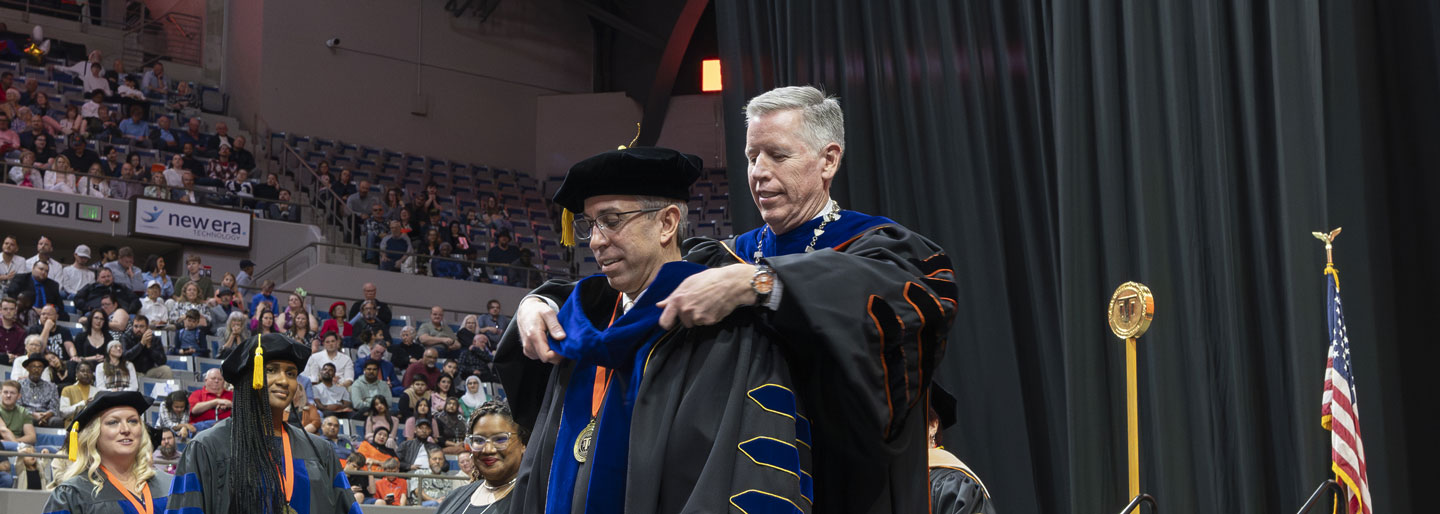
x: 87, y: 212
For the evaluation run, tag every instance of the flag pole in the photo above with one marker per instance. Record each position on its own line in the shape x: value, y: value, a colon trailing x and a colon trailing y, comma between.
x: 1332, y: 484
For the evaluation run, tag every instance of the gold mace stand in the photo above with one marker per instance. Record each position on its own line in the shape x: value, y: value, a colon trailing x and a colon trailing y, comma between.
x: 1130, y: 312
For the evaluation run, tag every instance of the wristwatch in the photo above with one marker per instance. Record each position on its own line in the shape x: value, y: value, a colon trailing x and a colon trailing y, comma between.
x: 763, y: 282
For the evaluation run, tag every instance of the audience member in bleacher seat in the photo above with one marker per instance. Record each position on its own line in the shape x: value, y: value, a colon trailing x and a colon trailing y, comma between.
x: 369, y: 322
x: 188, y: 194
x: 233, y: 334
x: 212, y: 402
x: 145, y: 351
x: 229, y: 281
x: 33, y: 137
x: 301, y: 332
x: 220, y: 138
x: 263, y: 322
x: 173, y: 173
x: 29, y: 91
x: 458, y: 239
x: 94, y: 337
x: 9, y: 139
x: 7, y: 81
x: 371, y: 340
x: 266, y: 294
x: 155, y: 80
x: 12, y: 333
x: 194, y: 272
x: 371, y: 383
x: 11, y: 106
x: 469, y: 326
x: 33, y: 475
x: 239, y: 191
x: 183, y: 101
x: 502, y: 252
x: 41, y: 109
x: 331, y: 398
x: 423, y: 369
x: 420, y: 414
x: 126, y: 273
x: 77, y: 395
x: 169, y: 450
x: 370, y: 293
x: 26, y: 311
x: 72, y: 125
x: 26, y: 174
x: 344, y: 366
x: 16, y: 425
x: 34, y: 343
x: 135, y: 126
x: 379, y: 425
x: 492, y: 322
x: 496, y: 447
x: 152, y: 306
x: 221, y: 169
x: 358, y: 483
x: 242, y: 156
x: 407, y: 351
x: 88, y: 298
x: 390, y: 490
x: 414, y: 452
x: 443, y: 268
x: 93, y: 182
x: 394, y: 247
x: 175, y: 415
x: 117, y: 317
x: 294, y: 305
x: 437, y: 335
x: 106, y: 124
x: 90, y: 110
x: 475, y: 361
x: 129, y: 186
x: 394, y: 203
x: 155, y: 270
x: 475, y: 394
x: 338, y: 325
x: 193, y: 136
x: 24, y: 121
x: 523, y: 272
x: 115, y: 373
x: 38, y: 395
x: 330, y: 430
x: 159, y: 188
x: 444, y: 390
x: 56, y: 338
x: 283, y: 210
x: 162, y: 137
x: 39, y: 283
x: 60, y: 177
x: 130, y: 95
x: 190, y: 298
x: 190, y: 340
x: 360, y: 202
x: 80, y: 157
x: 108, y: 254
x: 11, y: 263
x: 44, y: 251
x: 62, y: 372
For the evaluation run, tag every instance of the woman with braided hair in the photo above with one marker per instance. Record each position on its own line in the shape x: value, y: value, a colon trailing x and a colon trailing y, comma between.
x: 253, y: 462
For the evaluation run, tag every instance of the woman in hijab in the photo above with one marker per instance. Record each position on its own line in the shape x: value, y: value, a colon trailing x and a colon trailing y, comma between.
x: 473, y: 398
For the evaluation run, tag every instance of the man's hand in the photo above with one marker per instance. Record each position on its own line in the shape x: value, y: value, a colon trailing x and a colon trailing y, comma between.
x: 537, y: 323
x: 709, y: 296
x: 49, y: 325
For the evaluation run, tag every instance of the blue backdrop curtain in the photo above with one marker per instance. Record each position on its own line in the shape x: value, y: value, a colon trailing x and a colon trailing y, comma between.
x: 1059, y: 148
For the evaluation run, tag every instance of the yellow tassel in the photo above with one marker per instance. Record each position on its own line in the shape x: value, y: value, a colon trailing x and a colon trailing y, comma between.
x: 74, y: 448
x: 259, y: 374
x: 567, y: 228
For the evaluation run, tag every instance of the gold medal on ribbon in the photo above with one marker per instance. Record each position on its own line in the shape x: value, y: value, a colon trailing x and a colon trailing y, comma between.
x: 584, y: 441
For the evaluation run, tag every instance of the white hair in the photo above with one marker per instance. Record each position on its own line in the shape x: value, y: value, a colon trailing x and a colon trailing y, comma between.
x: 822, y: 120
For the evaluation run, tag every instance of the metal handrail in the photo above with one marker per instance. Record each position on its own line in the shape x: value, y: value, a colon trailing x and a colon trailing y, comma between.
x: 169, y: 189
x: 283, y: 263
x: 330, y: 214
x: 193, y: 44
x: 1134, y: 505
x: 1315, y: 497
x: 82, y: 16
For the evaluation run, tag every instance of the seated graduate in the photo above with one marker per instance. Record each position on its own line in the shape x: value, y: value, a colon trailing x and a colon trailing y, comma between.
x: 110, y: 449
x: 497, y: 445
x: 954, y: 487
x: 254, y: 462
x: 621, y: 427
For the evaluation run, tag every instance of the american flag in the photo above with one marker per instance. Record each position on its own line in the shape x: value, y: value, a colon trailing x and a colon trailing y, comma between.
x: 1340, y: 409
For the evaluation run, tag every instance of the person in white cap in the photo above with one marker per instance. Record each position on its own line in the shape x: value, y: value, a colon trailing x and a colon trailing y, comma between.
x: 78, y: 274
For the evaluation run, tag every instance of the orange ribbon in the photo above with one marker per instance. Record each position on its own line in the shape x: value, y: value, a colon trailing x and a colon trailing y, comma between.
x: 143, y: 508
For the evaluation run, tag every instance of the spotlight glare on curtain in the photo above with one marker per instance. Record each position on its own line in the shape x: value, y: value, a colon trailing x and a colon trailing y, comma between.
x: 710, y: 75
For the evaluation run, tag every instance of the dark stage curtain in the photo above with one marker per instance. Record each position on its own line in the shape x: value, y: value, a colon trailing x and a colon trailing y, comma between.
x: 1059, y: 148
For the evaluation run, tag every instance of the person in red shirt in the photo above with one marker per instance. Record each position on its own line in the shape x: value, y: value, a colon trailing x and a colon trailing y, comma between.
x: 390, y: 490
x: 423, y: 369
x: 210, y: 403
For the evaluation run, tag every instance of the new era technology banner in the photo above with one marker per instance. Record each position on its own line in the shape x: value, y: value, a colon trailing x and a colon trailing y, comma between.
x: 191, y: 223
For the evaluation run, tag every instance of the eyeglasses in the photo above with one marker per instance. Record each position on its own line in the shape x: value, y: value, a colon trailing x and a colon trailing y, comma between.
x: 609, y: 222
x: 501, y: 441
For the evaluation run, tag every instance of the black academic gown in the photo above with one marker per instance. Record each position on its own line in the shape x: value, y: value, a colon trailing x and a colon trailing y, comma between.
x: 715, y: 422
x: 863, y: 320
x: 458, y: 502
x: 954, y: 488
x: 321, y: 486
x: 77, y: 495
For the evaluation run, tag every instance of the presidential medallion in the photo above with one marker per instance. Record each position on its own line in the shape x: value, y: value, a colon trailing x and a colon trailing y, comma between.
x: 584, y: 441
x: 1132, y: 307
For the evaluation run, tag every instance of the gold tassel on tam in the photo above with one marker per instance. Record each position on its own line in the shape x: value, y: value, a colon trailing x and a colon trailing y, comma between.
x: 259, y: 377
x: 74, y: 446
x: 567, y: 228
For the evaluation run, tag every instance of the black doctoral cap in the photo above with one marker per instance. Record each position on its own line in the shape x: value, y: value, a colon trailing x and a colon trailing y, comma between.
x: 246, y: 365
x: 944, y: 404
x: 98, y: 405
x: 647, y: 171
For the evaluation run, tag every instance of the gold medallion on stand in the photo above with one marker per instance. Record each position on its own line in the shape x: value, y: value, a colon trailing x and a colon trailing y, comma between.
x: 584, y: 441
x: 1132, y: 307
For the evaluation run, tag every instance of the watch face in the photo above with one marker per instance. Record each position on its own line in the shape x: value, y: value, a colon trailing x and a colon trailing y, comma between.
x: 764, y: 281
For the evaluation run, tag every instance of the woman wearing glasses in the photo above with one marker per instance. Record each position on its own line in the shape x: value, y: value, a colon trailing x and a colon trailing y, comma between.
x: 497, y: 444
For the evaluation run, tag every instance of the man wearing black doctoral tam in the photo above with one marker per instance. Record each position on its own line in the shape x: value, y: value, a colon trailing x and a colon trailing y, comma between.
x: 637, y: 418
x: 861, y: 304
x: 253, y: 462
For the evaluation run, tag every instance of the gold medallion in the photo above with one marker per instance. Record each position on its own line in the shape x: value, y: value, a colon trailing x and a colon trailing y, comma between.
x: 1132, y: 307
x: 584, y: 441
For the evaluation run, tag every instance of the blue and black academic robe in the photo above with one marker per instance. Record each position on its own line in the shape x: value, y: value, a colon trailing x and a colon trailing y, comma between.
x: 954, y: 487
x: 862, y: 322
x: 693, y: 419
x: 202, y: 483
x: 77, y: 495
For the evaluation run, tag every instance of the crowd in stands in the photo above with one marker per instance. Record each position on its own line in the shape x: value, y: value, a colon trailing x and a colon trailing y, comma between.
x: 124, y: 136
x: 388, y: 395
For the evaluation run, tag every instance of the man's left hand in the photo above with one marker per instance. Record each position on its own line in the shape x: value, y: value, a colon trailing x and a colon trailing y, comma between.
x: 707, y: 297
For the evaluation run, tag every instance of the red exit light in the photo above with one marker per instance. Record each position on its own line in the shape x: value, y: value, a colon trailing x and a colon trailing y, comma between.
x: 710, y: 75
